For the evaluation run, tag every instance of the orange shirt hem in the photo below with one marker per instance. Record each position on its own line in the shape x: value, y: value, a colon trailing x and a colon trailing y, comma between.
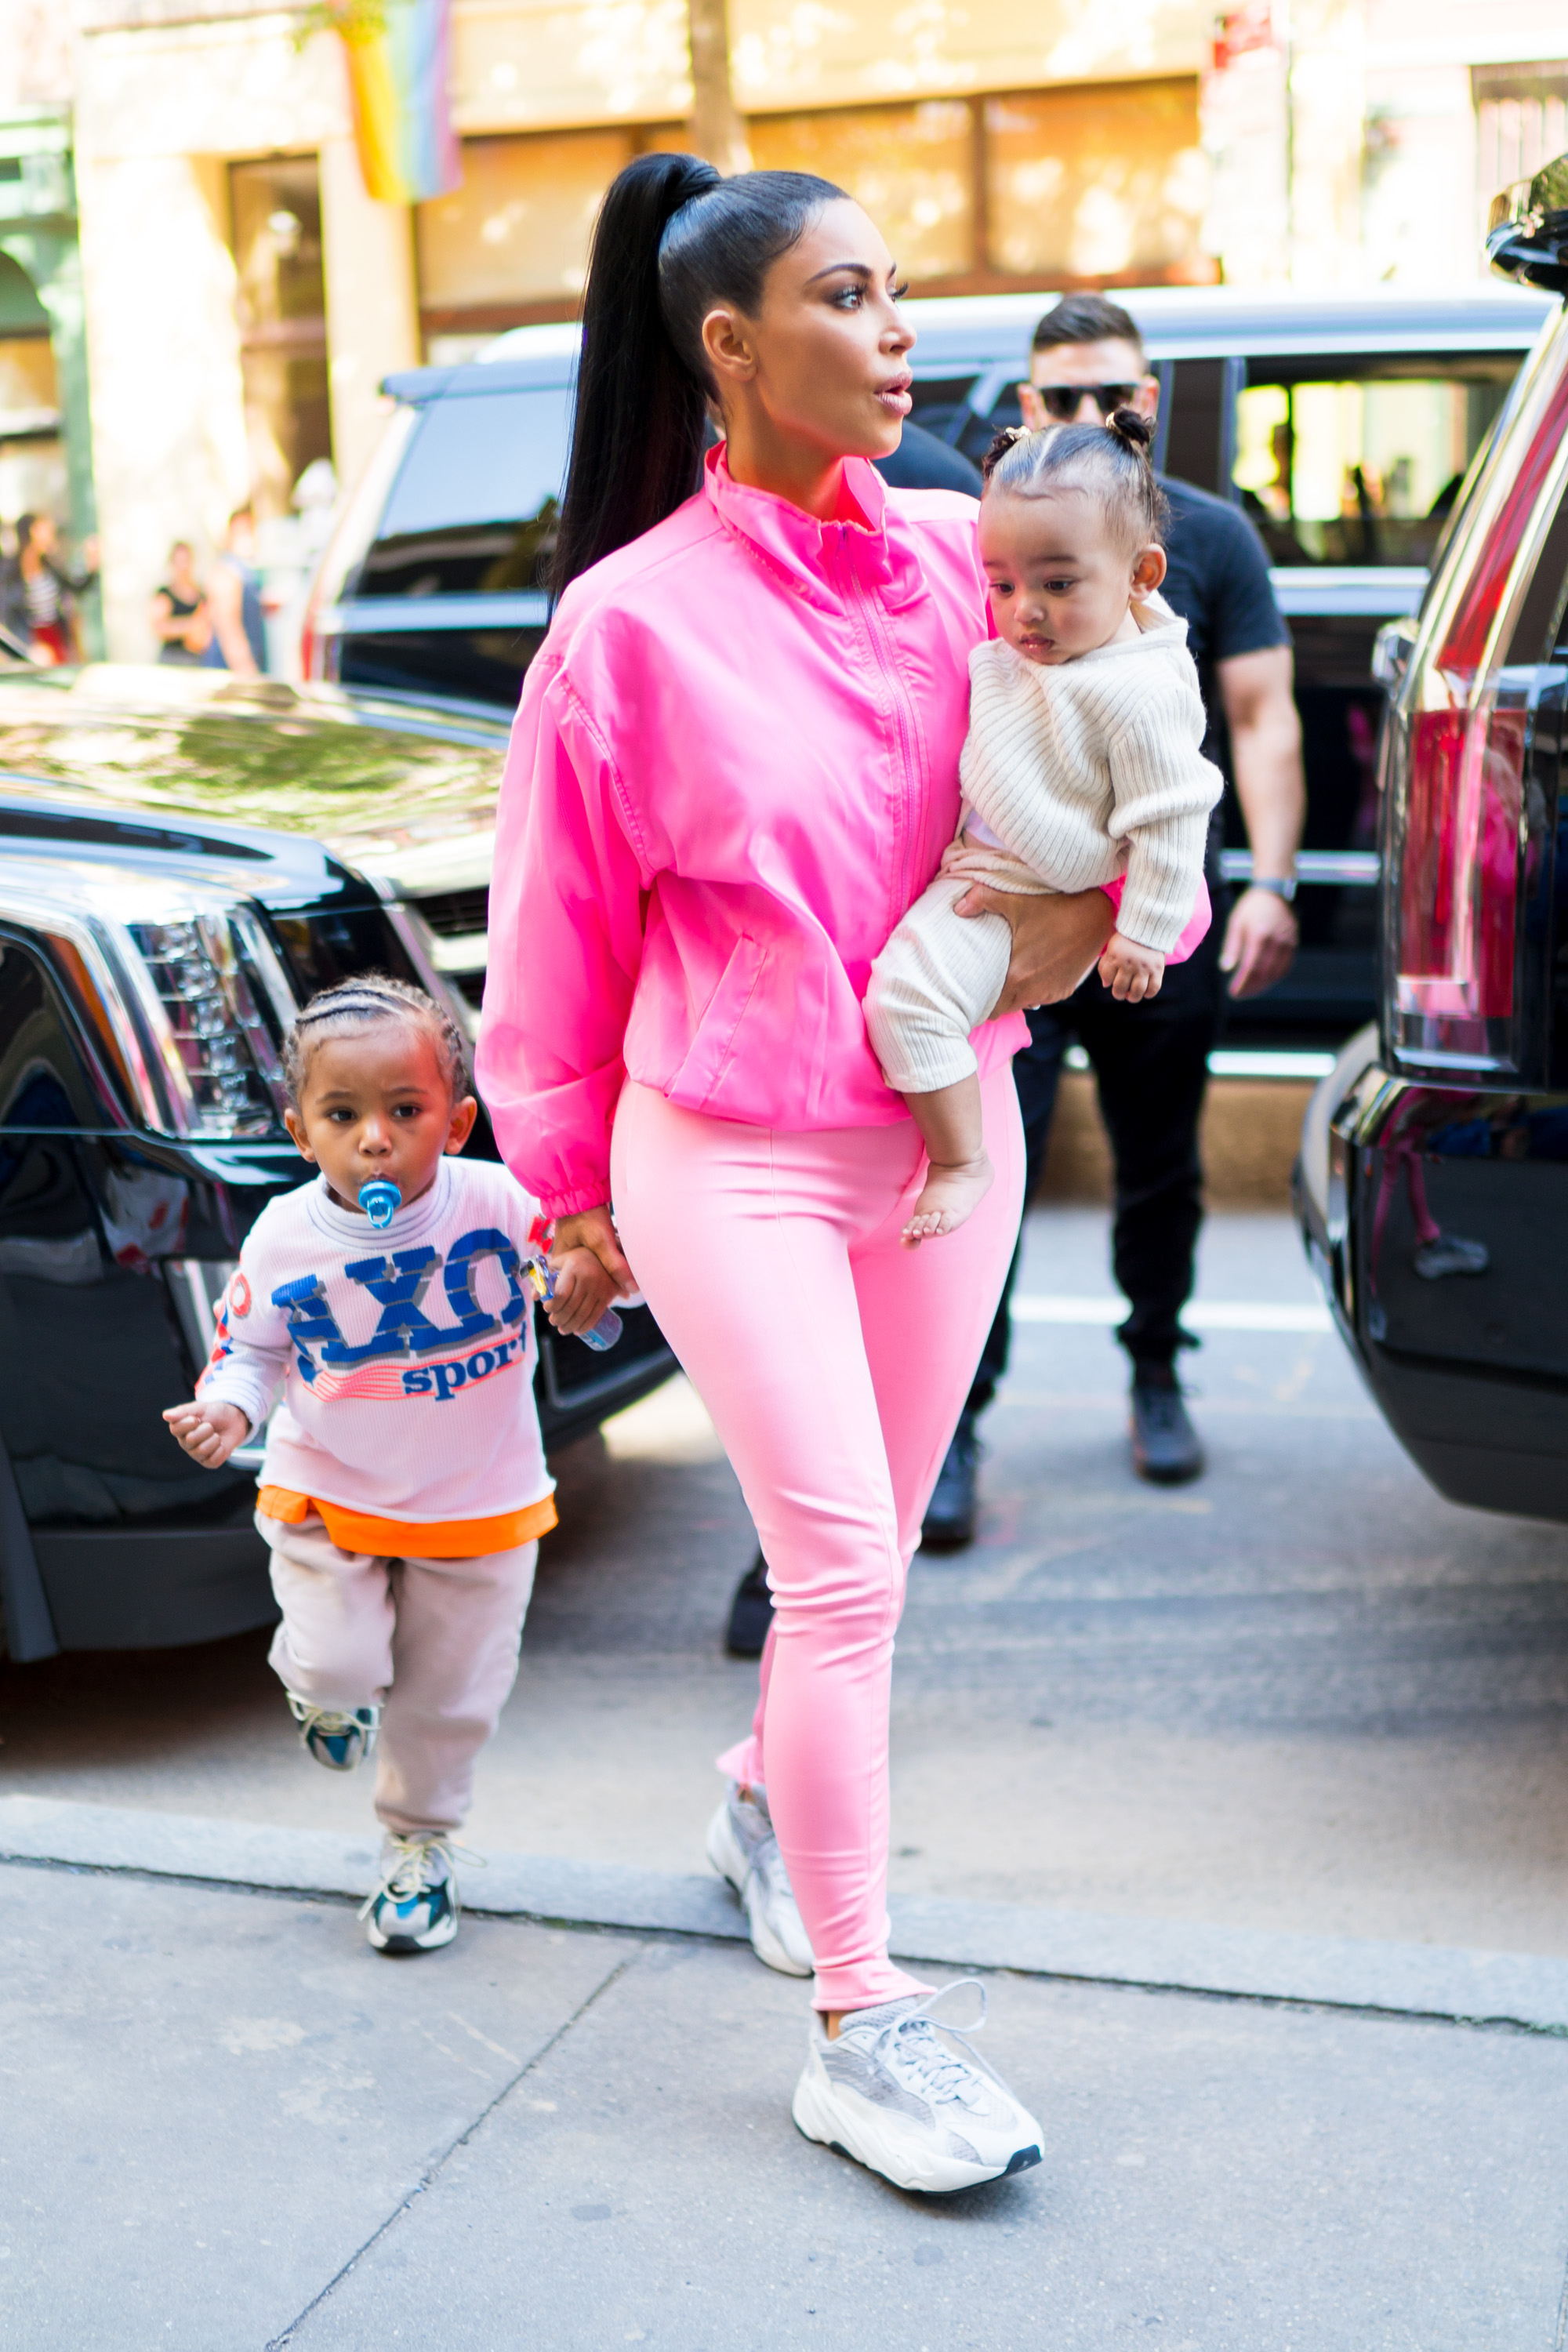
x: 405, y: 1539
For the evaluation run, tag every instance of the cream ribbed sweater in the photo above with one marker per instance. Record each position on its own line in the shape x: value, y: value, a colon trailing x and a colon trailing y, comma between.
x: 1092, y: 768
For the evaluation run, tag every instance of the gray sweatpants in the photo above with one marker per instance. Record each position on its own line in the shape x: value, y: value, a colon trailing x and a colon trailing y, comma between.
x: 434, y: 1642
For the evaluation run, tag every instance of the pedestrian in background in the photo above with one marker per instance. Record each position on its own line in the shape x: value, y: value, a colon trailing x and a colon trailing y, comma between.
x: 239, y: 640
x: 179, y: 619
x: 1150, y: 1060
x: 404, y: 1489
x: 38, y: 592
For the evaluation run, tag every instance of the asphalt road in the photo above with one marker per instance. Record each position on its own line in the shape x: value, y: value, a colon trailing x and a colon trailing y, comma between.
x: 1304, y: 1695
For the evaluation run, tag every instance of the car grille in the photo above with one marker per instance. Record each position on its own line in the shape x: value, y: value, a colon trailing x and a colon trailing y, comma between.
x: 452, y: 914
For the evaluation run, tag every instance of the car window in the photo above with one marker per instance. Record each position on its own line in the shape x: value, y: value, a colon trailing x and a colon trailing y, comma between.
x: 473, y: 509
x: 474, y: 665
x: 1360, y: 461
x: 940, y: 403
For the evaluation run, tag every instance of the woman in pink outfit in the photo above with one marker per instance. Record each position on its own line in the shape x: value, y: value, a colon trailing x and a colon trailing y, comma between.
x: 735, y: 765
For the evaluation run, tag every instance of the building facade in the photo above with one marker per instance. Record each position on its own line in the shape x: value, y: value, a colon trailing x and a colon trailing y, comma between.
x: 244, y: 296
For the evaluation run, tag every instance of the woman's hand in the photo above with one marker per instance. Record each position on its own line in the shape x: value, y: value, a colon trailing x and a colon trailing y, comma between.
x: 210, y: 1432
x: 589, y: 1270
x: 1056, y: 940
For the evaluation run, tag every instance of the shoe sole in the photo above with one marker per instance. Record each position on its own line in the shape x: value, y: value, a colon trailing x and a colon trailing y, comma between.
x: 400, y: 1946
x: 865, y: 2141
x: 1152, y: 1477
x: 727, y: 1857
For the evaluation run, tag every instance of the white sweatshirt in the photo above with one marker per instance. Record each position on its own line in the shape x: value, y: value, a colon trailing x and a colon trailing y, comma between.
x: 1087, y: 769
x: 405, y: 1355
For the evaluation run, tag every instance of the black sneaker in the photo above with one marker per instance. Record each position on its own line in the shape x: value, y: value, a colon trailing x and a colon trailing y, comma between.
x: 751, y: 1613
x: 949, y: 1522
x: 1166, y: 1449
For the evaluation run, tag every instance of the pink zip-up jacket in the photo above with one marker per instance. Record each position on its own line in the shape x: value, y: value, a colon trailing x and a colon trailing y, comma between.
x: 734, y: 767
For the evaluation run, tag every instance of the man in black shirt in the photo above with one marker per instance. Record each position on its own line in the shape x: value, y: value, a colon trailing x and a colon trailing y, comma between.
x: 1151, y: 1061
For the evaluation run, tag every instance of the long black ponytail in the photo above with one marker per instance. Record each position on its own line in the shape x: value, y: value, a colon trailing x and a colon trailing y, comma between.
x: 673, y: 237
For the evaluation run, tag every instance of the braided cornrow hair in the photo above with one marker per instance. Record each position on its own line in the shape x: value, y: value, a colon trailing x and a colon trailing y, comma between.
x: 373, y: 996
x: 1111, y: 462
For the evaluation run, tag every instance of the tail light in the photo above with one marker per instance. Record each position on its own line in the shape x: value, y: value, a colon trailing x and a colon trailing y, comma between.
x: 1458, y: 826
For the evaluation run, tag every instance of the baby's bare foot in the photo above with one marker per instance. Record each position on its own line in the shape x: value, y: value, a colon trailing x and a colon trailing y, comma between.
x: 949, y: 1195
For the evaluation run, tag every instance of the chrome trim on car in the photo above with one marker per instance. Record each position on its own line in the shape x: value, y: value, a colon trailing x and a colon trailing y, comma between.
x: 1361, y: 869
x: 1356, y: 591
x: 1391, y: 650
x: 80, y: 959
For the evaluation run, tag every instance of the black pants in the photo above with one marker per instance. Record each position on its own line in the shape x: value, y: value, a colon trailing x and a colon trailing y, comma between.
x: 1151, y: 1066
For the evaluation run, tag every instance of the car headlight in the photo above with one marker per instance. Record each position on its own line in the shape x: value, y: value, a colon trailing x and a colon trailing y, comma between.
x: 206, y: 973
x: 182, y: 997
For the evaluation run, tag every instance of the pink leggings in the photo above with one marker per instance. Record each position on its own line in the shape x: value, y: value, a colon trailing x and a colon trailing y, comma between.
x: 834, y: 1363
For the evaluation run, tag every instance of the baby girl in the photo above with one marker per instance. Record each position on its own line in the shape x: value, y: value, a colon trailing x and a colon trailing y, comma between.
x: 1083, y: 768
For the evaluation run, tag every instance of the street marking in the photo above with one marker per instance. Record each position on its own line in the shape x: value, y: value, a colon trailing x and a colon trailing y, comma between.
x: 1203, y: 1314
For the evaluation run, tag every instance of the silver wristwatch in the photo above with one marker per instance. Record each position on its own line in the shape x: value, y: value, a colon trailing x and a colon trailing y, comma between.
x: 1275, y: 888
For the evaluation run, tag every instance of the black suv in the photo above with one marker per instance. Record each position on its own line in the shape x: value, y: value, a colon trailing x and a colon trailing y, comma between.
x: 1426, y: 1187
x: 184, y: 859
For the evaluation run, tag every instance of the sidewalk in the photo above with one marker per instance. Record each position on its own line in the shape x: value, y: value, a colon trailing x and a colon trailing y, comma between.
x: 226, y: 2123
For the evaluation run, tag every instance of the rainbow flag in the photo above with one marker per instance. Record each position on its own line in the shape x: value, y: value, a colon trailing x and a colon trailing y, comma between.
x: 399, y: 58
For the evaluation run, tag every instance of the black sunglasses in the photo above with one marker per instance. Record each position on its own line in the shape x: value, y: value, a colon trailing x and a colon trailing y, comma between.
x: 1062, y: 401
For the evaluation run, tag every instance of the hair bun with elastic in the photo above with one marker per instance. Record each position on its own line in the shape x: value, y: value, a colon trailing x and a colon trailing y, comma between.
x: 1133, y: 432
x: 1008, y: 438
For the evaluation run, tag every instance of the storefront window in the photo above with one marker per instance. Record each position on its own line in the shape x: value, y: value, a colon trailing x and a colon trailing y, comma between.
x: 516, y: 233
x: 1097, y: 183
x: 911, y: 167
x: 31, y: 456
x: 277, y: 212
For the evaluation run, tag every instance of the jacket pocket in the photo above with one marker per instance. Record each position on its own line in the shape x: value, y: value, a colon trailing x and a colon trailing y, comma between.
x: 712, y: 1048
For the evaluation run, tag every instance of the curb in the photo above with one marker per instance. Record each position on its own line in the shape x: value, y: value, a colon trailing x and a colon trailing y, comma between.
x: 1428, y: 1980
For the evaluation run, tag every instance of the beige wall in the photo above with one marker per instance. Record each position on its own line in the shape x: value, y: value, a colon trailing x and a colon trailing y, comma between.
x: 373, y: 311
x: 168, y: 420
x: 522, y: 64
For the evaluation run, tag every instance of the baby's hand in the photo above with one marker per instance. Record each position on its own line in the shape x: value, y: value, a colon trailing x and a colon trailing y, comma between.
x: 584, y: 1288
x: 1130, y: 971
x: 210, y: 1432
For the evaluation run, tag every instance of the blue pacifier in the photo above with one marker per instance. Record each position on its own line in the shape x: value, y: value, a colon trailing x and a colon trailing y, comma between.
x: 380, y: 1200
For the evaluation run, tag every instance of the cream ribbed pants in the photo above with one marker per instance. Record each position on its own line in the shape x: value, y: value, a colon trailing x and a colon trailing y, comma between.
x: 938, y: 978
x: 434, y: 1642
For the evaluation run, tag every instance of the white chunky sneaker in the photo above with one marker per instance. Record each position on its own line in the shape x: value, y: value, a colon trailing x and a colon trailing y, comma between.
x: 742, y: 1848
x: 894, y: 2093
x: 415, y: 1907
x: 340, y: 1739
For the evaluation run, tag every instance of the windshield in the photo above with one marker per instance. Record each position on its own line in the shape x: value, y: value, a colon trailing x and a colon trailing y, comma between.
x: 473, y: 509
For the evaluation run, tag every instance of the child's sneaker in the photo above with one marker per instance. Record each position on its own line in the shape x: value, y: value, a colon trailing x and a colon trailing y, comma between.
x: 414, y: 1908
x: 334, y: 1739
